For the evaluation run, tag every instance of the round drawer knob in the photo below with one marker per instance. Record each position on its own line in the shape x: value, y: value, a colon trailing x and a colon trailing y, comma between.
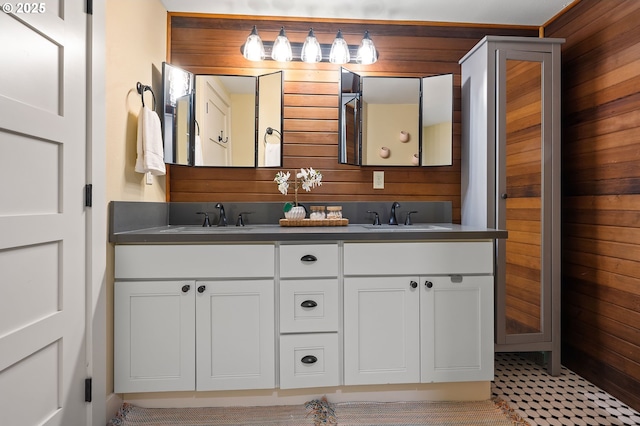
x: 413, y: 284
x: 201, y: 289
x: 428, y: 284
x: 186, y: 288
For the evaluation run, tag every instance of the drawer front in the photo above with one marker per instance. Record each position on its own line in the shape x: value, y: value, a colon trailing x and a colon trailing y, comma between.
x: 309, y: 260
x: 309, y: 360
x: 446, y: 257
x: 194, y: 261
x: 308, y: 305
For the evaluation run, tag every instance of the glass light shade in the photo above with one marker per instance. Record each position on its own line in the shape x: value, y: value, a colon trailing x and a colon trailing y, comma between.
x: 367, y: 51
x: 281, y: 48
x: 339, y: 50
x: 311, y: 51
x: 253, y: 47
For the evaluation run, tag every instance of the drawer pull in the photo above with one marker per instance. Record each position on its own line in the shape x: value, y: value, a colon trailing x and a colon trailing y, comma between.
x: 428, y: 284
x: 186, y: 288
x: 309, y: 359
x: 201, y: 289
x: 413, y: 284
x: 308, y: 258
x: 309, y: 304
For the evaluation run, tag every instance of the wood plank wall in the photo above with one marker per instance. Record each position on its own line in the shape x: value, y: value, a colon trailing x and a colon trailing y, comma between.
x: 601, y: 187
x: 211, y: 45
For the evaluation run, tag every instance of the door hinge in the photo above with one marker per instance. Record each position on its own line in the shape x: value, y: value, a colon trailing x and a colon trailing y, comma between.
x: 88, y: 195
x: 89, y: 7
x: 87, y: 389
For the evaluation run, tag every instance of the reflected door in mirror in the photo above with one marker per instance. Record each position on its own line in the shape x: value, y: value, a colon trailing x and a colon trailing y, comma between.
x: 225, y: 112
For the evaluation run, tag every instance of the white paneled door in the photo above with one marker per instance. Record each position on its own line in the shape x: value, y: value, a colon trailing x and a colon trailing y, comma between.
x: 43, y: 146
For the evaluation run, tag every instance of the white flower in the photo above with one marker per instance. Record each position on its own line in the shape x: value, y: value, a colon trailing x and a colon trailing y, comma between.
x: 282, y: 179
x: 309, y: 179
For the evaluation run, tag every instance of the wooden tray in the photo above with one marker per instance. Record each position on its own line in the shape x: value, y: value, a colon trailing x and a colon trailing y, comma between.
x: 315, y: 222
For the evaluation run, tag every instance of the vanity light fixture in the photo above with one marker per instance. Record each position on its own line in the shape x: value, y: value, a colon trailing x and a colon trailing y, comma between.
x: 253, y: 48
x: 367, y: 51
x: 282, y: 50
x: 311, y: 50
x: 339, y: 50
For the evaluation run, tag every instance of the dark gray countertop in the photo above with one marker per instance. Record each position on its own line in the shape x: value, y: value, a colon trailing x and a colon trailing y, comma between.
x: 177, y: 223
x: 263, y: 233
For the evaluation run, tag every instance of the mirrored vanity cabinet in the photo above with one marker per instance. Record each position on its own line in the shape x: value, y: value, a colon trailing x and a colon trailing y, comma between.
x: 222, y: 120
x: 511, y: 180
x: 395, y: 121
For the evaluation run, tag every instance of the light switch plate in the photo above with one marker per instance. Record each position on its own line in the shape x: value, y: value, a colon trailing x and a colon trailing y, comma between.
x: 378, y: 180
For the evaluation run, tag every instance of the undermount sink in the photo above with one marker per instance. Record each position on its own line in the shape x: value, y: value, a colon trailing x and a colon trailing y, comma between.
x: 204, y: 229
x: 420, y: 227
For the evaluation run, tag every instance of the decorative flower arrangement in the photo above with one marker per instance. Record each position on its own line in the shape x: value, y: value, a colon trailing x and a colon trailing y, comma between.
x: 309, y: 179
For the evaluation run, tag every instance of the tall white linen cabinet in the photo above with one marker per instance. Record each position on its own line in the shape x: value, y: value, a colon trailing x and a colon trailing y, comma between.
x: 511, y: 180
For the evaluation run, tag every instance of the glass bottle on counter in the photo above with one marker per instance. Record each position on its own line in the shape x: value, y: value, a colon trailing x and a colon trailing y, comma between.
x: 317, y: 213
x: 334, y: 212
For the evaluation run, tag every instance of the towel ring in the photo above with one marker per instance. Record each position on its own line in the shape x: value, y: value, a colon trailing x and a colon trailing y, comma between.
x: 270, y: 131
x: 141, y: 88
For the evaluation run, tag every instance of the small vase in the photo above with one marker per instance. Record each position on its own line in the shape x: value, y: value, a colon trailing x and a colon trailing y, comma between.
x: 296, y: 213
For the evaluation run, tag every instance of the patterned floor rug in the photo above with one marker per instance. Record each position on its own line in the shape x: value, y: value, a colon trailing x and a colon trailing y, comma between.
x: 320, y: 413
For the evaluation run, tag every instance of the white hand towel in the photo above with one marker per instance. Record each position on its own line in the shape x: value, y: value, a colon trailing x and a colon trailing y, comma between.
x: 272, y: 155
x: 149, y: 145
x: 197, y: 161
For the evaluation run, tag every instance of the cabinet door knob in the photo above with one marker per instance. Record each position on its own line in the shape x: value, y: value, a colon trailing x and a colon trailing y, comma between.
x: 413, y: 284
x: 186, y: 288
x: 309, y: 359
x: 504, y: 196
x: 309, y: 304
x: 308, y: 258
x: 428, y: 284
x: 201, y: 289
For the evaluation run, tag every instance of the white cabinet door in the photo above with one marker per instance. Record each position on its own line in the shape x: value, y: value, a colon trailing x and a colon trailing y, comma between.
x: 235, y: 334
x: 381, y: 330
x: 154, y: 336
x: 456, y: 328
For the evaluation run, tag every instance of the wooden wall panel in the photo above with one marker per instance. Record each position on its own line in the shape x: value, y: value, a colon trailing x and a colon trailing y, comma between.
x: 601, y: 187
x: 211, y: 45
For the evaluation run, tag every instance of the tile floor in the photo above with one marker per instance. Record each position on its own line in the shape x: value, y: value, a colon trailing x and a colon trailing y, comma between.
x: 568, y: 399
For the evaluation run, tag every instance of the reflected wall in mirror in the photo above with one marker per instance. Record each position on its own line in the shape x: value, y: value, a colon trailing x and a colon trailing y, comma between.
x: 390, y: 120
x: 222, y: 120
x: 177, y: 110
x: 437, y: 120
x: 270, y: 102
x: 395, y: 121
x: 349, y: 147
x: 226, y: 117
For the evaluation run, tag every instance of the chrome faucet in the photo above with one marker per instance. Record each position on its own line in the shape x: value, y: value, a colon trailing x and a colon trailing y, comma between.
x: 392, y: 216
x: 222, y: 220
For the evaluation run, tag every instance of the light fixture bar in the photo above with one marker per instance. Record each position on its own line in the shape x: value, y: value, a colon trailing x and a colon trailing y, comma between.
x: 282, y: 50
x: 296, y: 50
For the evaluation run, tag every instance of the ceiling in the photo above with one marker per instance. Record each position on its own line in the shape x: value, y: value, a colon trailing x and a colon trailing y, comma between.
x: 507, y: 12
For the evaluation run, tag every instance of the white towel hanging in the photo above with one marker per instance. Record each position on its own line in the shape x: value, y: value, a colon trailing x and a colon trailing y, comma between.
x: 150, y: 149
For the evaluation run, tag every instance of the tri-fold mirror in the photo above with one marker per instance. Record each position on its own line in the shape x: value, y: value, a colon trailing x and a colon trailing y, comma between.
x: 395, y: 121
x: 222, y: 120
